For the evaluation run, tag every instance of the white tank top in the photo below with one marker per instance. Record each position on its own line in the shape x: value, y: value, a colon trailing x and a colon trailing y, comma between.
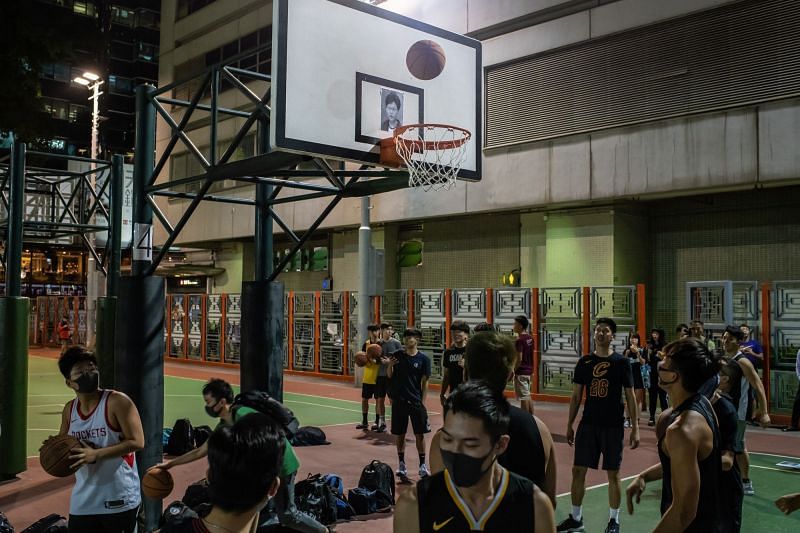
x: 110, y: 485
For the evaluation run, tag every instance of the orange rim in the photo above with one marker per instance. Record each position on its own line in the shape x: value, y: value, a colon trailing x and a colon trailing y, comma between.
x: 416, y: 145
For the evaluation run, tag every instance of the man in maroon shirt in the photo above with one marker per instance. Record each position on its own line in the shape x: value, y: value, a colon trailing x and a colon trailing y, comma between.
x: 524, y: 371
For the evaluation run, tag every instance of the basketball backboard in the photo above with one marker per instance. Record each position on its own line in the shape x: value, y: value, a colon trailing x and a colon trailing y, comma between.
x: 342, y: 80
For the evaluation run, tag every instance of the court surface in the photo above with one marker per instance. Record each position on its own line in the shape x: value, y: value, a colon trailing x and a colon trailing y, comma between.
x: 335, y: 406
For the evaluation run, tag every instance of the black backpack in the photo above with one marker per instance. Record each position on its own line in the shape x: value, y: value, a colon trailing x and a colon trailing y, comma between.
x: 365, y: 501
x: 379, y: 477
x: 197, y: 494
x: 5, y: 525
x: 309, y: 436
x: 201, y: 434
x: 52, y: 523
x: 267, y: 405
x: 181, y: 440
x: 314, y: 496
x: 177, y: 516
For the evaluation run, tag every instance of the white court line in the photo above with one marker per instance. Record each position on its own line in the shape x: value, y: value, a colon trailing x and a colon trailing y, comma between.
x: 40, y: 429
x: 61, y: 395
x: 785, y: 470
x: 323, y: 405
x: 599, y: 485
x: 46, y: 405
x: 775, y: 455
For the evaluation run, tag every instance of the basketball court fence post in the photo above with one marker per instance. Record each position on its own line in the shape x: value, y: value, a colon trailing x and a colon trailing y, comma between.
x: 766, y: 338
x: 345, y: 333
x: 641, y: 312
x: 489, y: 306
x: 535, y: 323
x: 586, y: 320
x: 448, y: 317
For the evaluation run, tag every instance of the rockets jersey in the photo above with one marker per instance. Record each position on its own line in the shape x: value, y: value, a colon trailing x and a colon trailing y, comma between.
x: 110, y: 485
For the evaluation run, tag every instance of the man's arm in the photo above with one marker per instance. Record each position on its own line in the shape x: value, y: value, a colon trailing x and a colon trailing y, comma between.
x: 549, y: 485
x: 65, y: 413
x: 682, y: 443
x: 445, y: 384
x: 574, y: 405
x: 633, y: 412
x: 406, y: 512
x: 120, y: 409
x: 424, y: 386
x: 435, y: 454
x: 637, y: 485
x: 755, y: 382
x: 188, y: 457
x: 543, y: 511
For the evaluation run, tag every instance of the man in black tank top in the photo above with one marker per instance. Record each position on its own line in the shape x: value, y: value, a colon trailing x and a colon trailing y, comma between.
x: 473, y: 492
x: 490, y: 357
x: 689, y: 447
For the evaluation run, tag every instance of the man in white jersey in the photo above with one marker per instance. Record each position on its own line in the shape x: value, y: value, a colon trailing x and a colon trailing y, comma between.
x: 106, y: 493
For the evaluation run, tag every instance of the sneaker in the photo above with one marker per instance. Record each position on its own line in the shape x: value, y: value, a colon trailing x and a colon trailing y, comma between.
x: 375, y: 427
x: 365, y: 427
x: 651, y: 422
x: 424, y: 471
x: 627, y: 422
x: 570, y: 525
x: 401, y: 470
x: 748, y: 489
x: 612, y: 527
x: 382, y: 428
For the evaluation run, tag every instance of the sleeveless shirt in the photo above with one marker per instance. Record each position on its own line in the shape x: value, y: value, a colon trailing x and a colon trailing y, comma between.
x: 443, y: 510
x: 110, y: 485
x: 709, y: 504
x: 525, y: 453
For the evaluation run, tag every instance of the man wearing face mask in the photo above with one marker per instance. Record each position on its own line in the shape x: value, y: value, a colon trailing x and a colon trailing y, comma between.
x: 244, y: 460
x: 473, y: 492
x: 106, y: 492
x: 218, y: 396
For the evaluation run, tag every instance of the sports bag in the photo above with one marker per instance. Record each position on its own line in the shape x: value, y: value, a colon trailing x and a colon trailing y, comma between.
x: 5, y: 525
x: 309, y: 436
x: 379, y: 477
x: 201, y: 434
x: 315, y: 497
x: 181, y: 440
x: 196, y: 494
x: 365, y: 501
x: 343, y: 509
x: 177, y: 516
x: 267, y: 405
x: 52, y: 523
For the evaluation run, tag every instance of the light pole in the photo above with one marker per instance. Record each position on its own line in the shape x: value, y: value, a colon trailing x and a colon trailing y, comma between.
x: 92, y: 81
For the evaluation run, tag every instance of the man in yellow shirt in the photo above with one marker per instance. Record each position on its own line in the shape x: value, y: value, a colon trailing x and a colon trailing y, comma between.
x: 370, y: 378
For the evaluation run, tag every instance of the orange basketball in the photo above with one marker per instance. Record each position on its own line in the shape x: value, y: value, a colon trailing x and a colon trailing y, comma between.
x: 374, y: 352
x: 361, y: 358
x: 54, y: 455
x: 157, y: 483
x: 425, y: 60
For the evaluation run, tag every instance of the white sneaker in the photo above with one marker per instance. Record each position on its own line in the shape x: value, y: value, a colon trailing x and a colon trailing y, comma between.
x: 424, y: 471
x: 748, y: 489
x: 401, y: 470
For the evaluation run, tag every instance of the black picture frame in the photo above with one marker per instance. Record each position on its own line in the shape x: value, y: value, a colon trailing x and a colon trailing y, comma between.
x: 382, y: 82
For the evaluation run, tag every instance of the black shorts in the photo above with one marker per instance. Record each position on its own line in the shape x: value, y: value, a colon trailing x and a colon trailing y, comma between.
x: 402, y: 411
x: 124, y: 522
x: 368, y: 391
x: 381, y: 387
x: 591, y: 441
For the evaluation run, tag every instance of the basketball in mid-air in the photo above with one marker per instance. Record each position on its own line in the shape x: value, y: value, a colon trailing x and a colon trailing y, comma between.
x: 157, y: 483
x: 425, y: 60
x: 54, y: 455
x: 361, y: 358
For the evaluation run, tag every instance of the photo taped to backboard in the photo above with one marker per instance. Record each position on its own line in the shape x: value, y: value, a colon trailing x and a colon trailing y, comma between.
x: 391, y: 109
x: 378, y: 98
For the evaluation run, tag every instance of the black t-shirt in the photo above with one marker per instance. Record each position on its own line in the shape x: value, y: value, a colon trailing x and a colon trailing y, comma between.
x: 406, y: 383
x: 455, y: 372
x: 604, y: 379
x: 525, y: 453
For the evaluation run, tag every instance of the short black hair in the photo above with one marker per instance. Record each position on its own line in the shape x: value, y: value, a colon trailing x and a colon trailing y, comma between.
x: 392, y: 97
x: 460, y: 325
x: 608, y: 322
x: 680, y: 328
x: 745, y: 326
x: 373, y: 327
x: 244, y: 459
x: 735, y: 332
x: 478, y: 400
x: 412, y: 332
x: 490, y: 357
x: 522, y: 320
x: 386, y: 325
x: 72, y: 356
x: 693, y: 361
x: 697, y: 321
x: 484, y: 326
x: 219, y: 389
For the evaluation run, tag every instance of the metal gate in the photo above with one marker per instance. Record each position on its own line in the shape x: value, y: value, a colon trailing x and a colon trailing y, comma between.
x: 430, y: 319
x: 785, y: 325
x: 331, y: 332
x: 561, y: 338
x: 304, y: 331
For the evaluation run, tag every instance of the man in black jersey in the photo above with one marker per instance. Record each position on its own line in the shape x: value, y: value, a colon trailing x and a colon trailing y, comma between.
x: 474, y: 493
x: 389, y: 345
x: 689, y: 448
x: 604, y: 375
x: 490, y: 357
x: 453, y: 359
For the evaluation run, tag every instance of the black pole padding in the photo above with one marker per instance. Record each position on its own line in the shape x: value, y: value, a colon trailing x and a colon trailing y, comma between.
x: 261, y: 363
x: 139, y: 351
x: 104, y: 345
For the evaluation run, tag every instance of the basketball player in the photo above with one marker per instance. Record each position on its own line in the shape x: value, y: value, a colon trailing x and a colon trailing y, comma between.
x: 748, y: 384
x: 524, y: 370
x: 732, y: 491
x: 490, y: 357
x: 606, y: 374
x: 474, y: 493
x: 244, y: 460
x: 689, y: 446
x: 106, y: 492
x: 453, y: 359
x: 389, y: 345
x: 368, y: 382
x: 218, y: 396
x: 409, y: 371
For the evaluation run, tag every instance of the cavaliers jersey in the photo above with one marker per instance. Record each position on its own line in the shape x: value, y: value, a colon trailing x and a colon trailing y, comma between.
x: 443, y: 510
x: 109, y: 485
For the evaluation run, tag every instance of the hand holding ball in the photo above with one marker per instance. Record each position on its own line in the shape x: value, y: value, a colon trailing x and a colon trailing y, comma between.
x: 374, y: 352
x: 54, y: 455
x: 361, y: 358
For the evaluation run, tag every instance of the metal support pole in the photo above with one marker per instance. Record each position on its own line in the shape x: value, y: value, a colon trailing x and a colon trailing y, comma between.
x: 143, y: 163
x: 114, y: 251
x: 364, y: 249
x: 263, y: 223
x: 92, y: 275
x: 16, y: 213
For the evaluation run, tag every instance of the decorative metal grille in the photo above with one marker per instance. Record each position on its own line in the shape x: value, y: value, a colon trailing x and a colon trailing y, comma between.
x: 233, y: 328
x: 560, y: 334
x: 213, y: 326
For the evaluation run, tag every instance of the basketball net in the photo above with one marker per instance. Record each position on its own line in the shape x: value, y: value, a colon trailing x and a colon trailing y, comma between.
x: 433, y: 154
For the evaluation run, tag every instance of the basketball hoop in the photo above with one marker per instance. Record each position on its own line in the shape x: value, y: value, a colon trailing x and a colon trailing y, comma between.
x: 433, y: 153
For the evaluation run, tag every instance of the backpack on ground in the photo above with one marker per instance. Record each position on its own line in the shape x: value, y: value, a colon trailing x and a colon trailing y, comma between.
x: 181, y: 440
x: 201, y: 434
x: 366, y: 501
x: 379, y: 477
x: 267, y: 405
x: 315, y: 497
x: 343, y: 509
x: 309, y: 436
x: 177, y: 514
x: 5, y: 525
x: 196, y: 494
x: 52, y: 523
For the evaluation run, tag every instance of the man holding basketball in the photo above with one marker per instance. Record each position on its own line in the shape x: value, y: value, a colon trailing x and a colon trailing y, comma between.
x: 368, y: 382
x: 106, y: 492
x: 389, y: 345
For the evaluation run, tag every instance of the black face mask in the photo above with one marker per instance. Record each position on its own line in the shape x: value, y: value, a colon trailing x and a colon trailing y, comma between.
x: 89, y: 382
x: 211, y: 412
x: 464, y: 469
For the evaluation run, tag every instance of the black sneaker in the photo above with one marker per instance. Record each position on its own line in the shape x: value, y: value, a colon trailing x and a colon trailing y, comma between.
x: 365, y: 427
x: 375, y: 427
x: 651, y: 422
x: 612, y: 527
x: 382, y: 428
x: 570, y: 525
